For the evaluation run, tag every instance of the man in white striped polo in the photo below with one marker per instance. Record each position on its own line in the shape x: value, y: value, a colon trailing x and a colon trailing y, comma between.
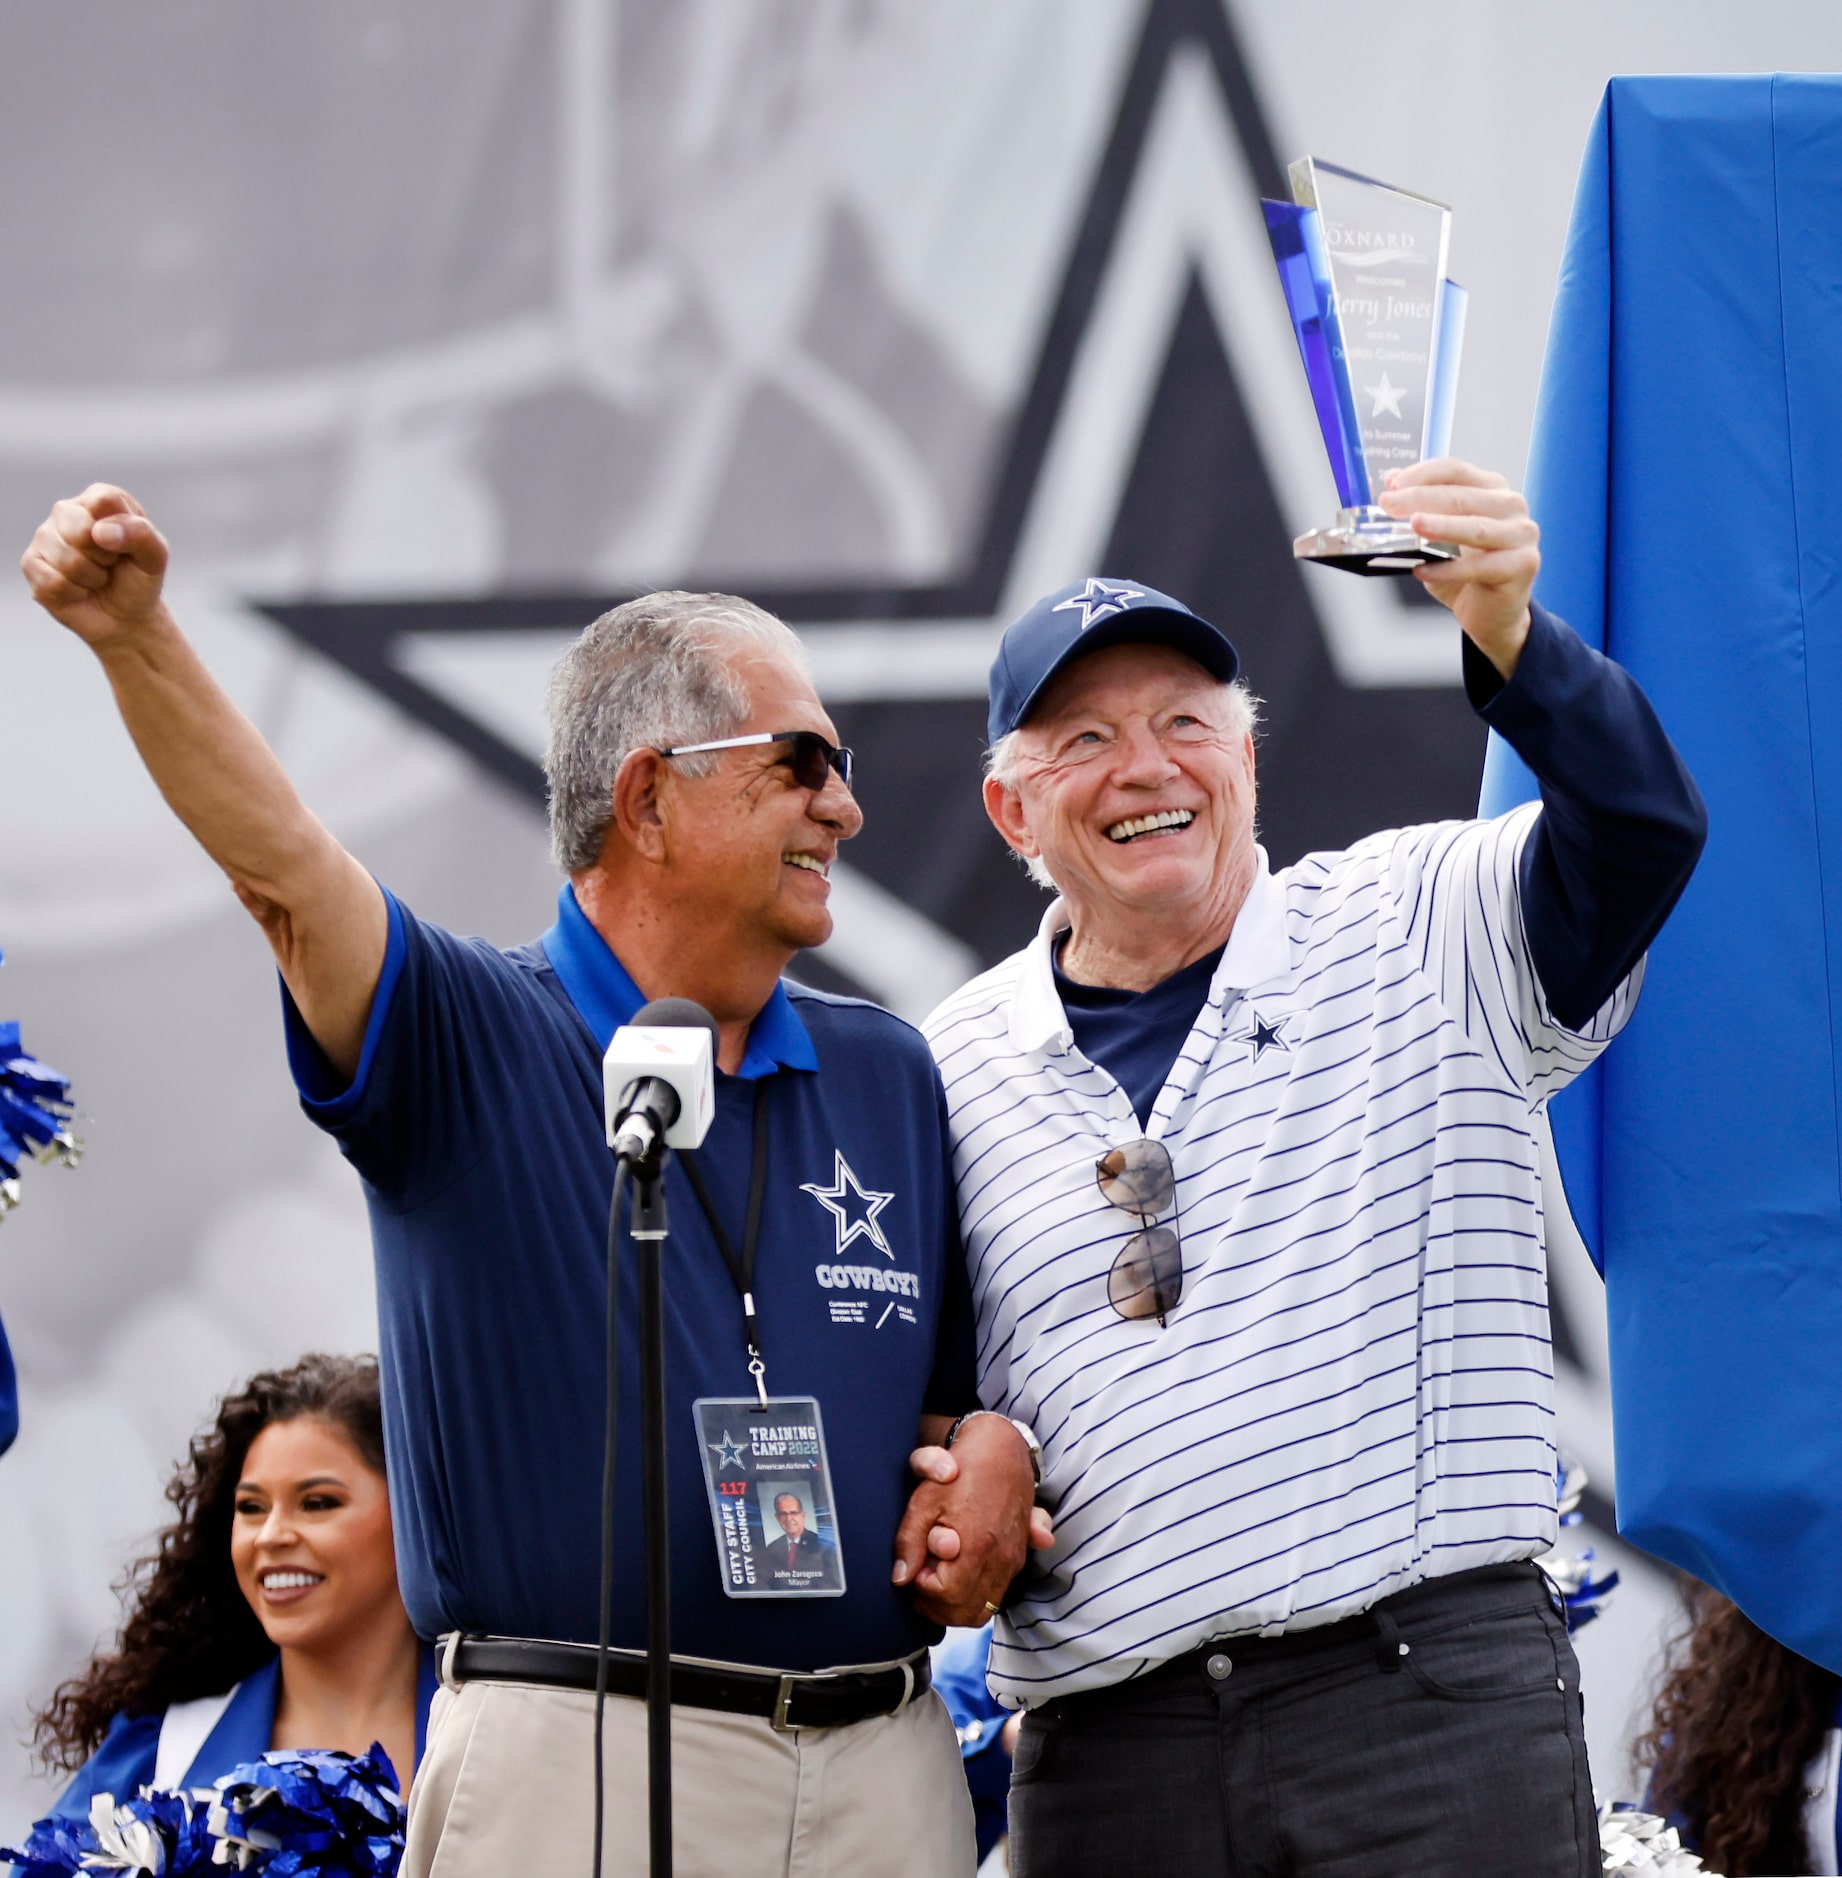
x: 1248, y: 1181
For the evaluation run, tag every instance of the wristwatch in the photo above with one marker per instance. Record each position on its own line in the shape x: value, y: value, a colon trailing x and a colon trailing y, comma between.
x: 1023, y: 1428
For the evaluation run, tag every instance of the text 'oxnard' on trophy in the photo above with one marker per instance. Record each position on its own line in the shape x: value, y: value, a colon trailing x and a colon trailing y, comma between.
x: 1379, y: 328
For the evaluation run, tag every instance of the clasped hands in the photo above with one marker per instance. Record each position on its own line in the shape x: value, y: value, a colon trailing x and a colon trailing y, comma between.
x: 971, y: 1521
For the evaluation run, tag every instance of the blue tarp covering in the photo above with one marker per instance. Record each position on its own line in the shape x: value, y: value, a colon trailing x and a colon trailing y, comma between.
x: 1687, y: 474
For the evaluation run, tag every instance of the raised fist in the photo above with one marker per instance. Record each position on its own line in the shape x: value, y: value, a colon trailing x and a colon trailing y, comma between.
x: 96, y: 564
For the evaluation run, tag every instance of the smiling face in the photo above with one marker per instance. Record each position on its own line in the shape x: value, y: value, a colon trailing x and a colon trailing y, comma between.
x: 1136, y: 788
x: 792, y: 1516
x: 310, y: 1540
x: 750, y: 848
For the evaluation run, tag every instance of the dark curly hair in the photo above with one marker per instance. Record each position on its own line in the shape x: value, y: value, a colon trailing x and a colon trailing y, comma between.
x: 191, y: 1631
x: 1737, y: 1720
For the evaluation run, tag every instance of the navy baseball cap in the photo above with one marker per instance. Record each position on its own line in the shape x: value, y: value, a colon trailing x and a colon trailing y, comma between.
x: 1083, y: 617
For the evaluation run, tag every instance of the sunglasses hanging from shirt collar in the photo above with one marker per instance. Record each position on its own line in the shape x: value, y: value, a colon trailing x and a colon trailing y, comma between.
x: 809, y: 756
x: 1147, y: 1277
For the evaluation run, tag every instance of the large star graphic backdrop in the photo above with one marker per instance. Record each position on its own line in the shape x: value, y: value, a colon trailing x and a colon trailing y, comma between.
x: 1161, y: 439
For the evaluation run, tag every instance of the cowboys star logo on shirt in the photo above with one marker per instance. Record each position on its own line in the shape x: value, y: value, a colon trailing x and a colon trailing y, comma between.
x: 1100, y: 599
x: 853, y: 1207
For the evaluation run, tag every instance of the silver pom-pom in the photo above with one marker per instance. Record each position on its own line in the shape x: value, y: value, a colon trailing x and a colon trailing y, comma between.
x: 1642, y: 1846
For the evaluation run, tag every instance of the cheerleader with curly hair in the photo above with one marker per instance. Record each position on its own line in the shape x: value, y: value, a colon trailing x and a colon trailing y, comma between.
x: 1743, y: 1747
x: 269, y: 1615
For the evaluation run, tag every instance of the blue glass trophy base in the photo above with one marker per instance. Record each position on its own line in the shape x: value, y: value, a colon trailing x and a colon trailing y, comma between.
x: 1369, y: 540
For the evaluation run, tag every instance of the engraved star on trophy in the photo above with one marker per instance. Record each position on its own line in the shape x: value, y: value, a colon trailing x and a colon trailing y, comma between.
x: 1379, y: 328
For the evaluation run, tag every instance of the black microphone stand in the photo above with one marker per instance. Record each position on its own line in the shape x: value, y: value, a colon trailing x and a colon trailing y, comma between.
x: 641, y: 1160
x: 650, y: 1227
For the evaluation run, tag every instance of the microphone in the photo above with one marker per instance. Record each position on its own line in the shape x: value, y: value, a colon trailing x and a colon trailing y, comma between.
x: 658, y: 1079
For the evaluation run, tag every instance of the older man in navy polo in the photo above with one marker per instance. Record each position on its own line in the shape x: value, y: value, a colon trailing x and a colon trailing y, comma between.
x: 697, y: 801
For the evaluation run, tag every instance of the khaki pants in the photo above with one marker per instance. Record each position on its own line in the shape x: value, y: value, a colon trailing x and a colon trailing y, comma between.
x: 506, y: 1788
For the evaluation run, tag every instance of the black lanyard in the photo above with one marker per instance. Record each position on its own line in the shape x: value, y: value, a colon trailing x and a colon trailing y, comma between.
x: 742, y: 1269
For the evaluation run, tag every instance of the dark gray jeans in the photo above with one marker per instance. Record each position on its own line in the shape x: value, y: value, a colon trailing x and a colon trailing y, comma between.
x: 1437, y: 1736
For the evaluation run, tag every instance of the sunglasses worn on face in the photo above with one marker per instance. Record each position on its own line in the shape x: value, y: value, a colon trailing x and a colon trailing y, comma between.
x: 808, y: 756
x: 1147, y: 1276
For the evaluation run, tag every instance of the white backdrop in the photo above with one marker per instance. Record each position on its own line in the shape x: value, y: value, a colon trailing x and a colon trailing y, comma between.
x: 441, y: 296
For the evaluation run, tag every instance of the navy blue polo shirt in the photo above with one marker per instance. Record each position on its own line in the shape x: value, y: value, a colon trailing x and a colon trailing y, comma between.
x: 475, y: 1120
x: 1135, y: 1035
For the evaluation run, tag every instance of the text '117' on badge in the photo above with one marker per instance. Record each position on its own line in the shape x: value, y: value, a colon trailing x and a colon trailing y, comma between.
x: 771, y: 1503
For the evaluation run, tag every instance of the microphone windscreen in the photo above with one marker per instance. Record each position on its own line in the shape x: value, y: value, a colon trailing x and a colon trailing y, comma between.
x: 674, y: 1014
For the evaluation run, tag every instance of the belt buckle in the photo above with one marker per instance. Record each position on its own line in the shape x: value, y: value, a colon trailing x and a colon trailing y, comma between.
x: 908, y: 1688
x: 783, y: 1696
x: 784, y: 1692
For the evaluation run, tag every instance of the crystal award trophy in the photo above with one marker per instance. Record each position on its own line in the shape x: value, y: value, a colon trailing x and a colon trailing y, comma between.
x: 1379, y: 328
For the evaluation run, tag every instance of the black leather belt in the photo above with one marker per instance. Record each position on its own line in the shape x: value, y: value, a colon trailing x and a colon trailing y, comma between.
x: 828, y: 1699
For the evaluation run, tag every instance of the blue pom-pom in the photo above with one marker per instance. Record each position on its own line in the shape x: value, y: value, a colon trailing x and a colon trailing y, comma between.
x: 290, y: 1814
x: 158, y: 1833
x: 1580, y: 1595
x: 55, y: 1845
x: 312, y: 1814
x: 1569, y: 1489
x: 1586, y: 1599
x: 35, y: 1114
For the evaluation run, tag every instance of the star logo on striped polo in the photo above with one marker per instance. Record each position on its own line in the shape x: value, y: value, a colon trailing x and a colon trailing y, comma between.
x: 1267, y: 1036
x: 1100, y: 599
x: 853, y: 1207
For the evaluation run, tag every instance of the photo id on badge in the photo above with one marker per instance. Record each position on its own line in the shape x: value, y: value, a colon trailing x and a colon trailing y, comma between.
x: 770, y: 1497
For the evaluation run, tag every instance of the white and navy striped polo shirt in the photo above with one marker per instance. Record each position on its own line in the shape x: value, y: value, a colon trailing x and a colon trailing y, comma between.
x: 1355, y: 1392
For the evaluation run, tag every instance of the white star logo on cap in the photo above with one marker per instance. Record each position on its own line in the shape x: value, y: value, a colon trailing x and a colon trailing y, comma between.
x: 853, y: 1207
x: 1101, y: 599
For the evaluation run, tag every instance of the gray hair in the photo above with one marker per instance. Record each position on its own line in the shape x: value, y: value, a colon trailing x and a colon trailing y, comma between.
x: 654, y: 672
x: 1004, y: 756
